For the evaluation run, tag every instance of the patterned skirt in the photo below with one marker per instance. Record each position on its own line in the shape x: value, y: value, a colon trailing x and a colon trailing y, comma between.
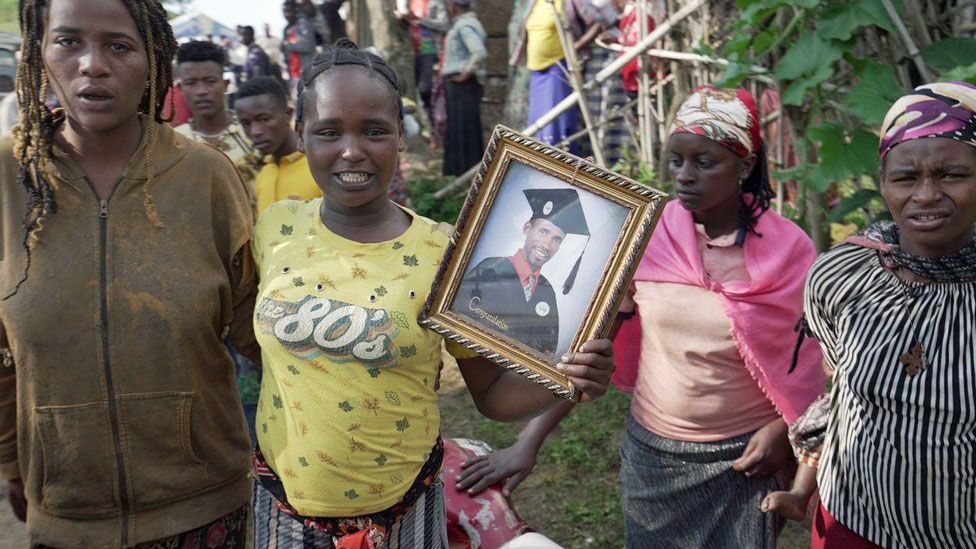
x: 604, y: 101
x: 423, y: 527
x: 685, y: 494
x: 417, y: 520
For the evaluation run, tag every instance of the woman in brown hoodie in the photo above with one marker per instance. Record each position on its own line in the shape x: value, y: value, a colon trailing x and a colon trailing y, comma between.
x: 120, y: 420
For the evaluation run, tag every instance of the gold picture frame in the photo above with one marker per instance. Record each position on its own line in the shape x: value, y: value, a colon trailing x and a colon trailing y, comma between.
x: 520, y: 180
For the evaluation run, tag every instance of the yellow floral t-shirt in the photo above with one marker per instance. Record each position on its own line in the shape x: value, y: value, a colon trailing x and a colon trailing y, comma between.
x: 348, y: 411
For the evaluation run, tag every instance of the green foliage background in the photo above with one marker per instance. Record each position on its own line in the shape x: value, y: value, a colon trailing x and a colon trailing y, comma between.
x: 837, y: 84
x: 8, y: 16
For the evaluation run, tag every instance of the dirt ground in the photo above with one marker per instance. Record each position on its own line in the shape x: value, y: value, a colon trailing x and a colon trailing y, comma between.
x: 13, y: 534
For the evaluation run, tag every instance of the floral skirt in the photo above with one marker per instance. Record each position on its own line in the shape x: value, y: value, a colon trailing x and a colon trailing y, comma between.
x: 229, y: 530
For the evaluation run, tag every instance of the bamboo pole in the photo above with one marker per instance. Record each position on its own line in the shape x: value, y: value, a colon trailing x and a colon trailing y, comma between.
x: 616, y: 114
x: 662, y: 116
x: 643, y: 97
x: 610, y: 70
x: 913, y: 51
x: 760, y: 71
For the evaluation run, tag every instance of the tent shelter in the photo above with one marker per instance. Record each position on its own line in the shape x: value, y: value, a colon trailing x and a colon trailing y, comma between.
x: 197, y: 25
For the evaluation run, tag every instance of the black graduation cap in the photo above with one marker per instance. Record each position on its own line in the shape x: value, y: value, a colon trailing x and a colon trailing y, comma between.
x: 562, y: 208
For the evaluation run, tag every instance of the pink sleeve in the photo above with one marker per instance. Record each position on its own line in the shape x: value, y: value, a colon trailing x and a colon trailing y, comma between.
x: 626, y: 346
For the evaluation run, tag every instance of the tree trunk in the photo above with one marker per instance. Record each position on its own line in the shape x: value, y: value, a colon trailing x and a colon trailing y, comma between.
x: 817, y: 226
x: 375, y: 25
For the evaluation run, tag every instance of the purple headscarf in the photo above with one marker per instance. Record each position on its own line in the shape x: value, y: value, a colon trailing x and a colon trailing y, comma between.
x: 946, y: 109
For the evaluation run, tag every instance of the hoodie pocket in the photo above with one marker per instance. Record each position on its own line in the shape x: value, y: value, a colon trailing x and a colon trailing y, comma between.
x: 161, y: 463
x: 79, y: 466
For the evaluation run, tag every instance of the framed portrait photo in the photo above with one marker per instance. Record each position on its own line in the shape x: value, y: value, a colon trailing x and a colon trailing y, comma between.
x: 543, y: 251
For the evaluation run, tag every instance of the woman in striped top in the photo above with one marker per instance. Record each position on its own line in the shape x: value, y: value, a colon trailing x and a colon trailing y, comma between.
x: 894, y: 311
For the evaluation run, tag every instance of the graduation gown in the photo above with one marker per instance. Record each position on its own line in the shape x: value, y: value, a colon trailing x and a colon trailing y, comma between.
x: 491, y: 293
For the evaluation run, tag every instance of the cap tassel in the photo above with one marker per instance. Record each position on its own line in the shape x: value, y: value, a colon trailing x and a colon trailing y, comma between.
x: 571, y: 279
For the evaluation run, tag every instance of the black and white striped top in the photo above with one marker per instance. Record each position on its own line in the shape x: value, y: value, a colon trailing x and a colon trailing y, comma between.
x: 899, y: 460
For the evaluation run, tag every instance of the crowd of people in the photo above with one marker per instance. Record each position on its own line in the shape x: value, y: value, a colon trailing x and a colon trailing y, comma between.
x: 167, y: 287
x: 450, y: 51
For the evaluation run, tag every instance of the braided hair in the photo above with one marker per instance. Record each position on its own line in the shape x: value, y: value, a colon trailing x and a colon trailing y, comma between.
x: 346, y: 52
x: 757, y: 184
x: 34, y: 135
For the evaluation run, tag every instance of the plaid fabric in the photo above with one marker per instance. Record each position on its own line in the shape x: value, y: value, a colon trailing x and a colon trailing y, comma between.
x: 603, y: 102
x: 423, y: 526
x: 378, y: 525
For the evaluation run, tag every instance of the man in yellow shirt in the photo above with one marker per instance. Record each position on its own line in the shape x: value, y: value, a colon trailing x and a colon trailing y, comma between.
x: 263, y: 111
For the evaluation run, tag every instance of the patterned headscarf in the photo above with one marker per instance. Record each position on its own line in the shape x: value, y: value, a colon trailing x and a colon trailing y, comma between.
x: 946, y: 109
x: 728, y: 117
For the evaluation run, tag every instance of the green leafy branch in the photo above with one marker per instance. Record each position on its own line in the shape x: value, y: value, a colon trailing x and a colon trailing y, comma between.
x: 839, y: 66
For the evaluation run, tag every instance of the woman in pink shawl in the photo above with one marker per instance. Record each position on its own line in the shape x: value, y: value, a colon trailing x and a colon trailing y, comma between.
x: 717, y: 296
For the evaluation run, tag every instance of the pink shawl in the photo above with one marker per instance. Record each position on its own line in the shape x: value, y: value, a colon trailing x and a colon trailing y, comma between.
x: 763, y: 311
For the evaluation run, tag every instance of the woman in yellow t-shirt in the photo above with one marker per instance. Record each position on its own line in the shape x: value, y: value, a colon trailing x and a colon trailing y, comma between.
x: 348, y: 424
x: 549, y: 80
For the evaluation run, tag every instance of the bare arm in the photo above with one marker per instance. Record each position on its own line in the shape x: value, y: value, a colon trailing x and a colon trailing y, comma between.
x: 589, y: 36
x: 767, y: 452
x: 535, y: 431
x: 512, y: 464
x: 793, y: 504
x: 502, y: 395
x: 505, y: 396
x: 437, y: 19
x: 808, y: 435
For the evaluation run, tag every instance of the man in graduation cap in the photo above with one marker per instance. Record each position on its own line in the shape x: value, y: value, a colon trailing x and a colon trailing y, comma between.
x: 510, y: 293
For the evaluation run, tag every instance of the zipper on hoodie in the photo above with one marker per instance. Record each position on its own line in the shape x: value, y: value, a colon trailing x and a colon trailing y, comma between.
x: 113, y: 406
